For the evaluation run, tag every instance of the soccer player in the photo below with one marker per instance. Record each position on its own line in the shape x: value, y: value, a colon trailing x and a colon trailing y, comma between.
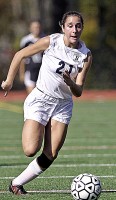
x: 48, y: 108
x: 29, y: 67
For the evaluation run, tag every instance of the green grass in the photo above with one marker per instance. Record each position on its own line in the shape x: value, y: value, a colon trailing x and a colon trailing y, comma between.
x: 90, y: 147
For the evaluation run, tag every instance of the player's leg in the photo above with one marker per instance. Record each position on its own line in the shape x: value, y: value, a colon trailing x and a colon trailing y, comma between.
x: 57, y: 128
x: 32, y: 137
x: 56, y: 131
x: 32, y: 134
x: 54, y: 138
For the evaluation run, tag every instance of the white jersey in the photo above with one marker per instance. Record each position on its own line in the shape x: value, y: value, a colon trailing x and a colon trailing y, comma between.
x: 56, y: 59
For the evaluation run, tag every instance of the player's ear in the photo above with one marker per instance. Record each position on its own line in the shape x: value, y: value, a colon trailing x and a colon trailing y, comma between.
x: 62, y: 28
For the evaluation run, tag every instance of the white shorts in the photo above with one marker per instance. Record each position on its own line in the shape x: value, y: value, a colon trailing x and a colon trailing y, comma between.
x: 27, y: 80
x: 41, y: 107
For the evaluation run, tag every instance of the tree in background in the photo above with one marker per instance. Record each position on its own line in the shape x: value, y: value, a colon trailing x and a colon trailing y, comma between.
x: 99, y: 34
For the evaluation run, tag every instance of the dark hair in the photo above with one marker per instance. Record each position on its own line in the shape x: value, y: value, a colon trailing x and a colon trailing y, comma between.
x: 70, y: 13
x: 35, y: 20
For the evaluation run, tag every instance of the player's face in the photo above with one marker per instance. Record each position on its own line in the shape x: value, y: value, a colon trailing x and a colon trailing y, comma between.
x: 72, y: 30
x: 35, y: 29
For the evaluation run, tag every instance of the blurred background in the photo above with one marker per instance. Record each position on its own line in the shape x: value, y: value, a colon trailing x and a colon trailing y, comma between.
x: 99, y: 33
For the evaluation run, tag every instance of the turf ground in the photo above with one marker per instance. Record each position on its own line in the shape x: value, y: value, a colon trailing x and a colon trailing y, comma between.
x: 90, y: 147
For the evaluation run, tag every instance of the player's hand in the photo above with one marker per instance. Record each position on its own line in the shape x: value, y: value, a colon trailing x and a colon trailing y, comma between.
x: 6, y: 87
x: 67, y: 78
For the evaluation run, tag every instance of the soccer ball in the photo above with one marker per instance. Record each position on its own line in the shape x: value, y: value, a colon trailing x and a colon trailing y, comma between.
x: 86, y: 187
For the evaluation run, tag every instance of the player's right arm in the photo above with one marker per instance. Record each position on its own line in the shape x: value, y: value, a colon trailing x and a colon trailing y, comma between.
x: 39, y: 46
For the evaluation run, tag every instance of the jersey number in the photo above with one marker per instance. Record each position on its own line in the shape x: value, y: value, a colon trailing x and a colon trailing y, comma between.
x: 62, y: 65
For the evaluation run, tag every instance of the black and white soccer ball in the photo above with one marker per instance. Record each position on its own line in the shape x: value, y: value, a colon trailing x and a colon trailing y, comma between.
x: 86, y: 187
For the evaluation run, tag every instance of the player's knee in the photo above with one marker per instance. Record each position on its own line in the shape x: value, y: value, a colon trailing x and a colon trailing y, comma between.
x: 30, y: 152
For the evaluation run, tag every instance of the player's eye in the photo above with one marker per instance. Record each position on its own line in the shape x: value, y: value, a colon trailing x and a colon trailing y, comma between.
x: 70, y: 25
x: 78, y: 25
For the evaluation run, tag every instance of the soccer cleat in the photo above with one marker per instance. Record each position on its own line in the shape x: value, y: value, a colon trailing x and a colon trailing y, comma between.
x: 17, y: 190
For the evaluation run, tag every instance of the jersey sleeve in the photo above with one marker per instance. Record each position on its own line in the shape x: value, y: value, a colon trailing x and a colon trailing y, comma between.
x: 53, y: 38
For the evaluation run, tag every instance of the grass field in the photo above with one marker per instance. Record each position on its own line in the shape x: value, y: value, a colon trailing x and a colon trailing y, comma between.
x: 90, y: 147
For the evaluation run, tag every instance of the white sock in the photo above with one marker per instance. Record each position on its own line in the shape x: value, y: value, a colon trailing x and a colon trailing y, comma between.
x: 30, y: 173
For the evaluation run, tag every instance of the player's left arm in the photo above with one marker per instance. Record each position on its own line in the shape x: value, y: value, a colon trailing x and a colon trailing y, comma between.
x: 77, y: 86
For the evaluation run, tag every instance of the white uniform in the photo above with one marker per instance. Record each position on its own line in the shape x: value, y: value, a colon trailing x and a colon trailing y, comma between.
x: 56, y: 59
x: 52, y: 97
